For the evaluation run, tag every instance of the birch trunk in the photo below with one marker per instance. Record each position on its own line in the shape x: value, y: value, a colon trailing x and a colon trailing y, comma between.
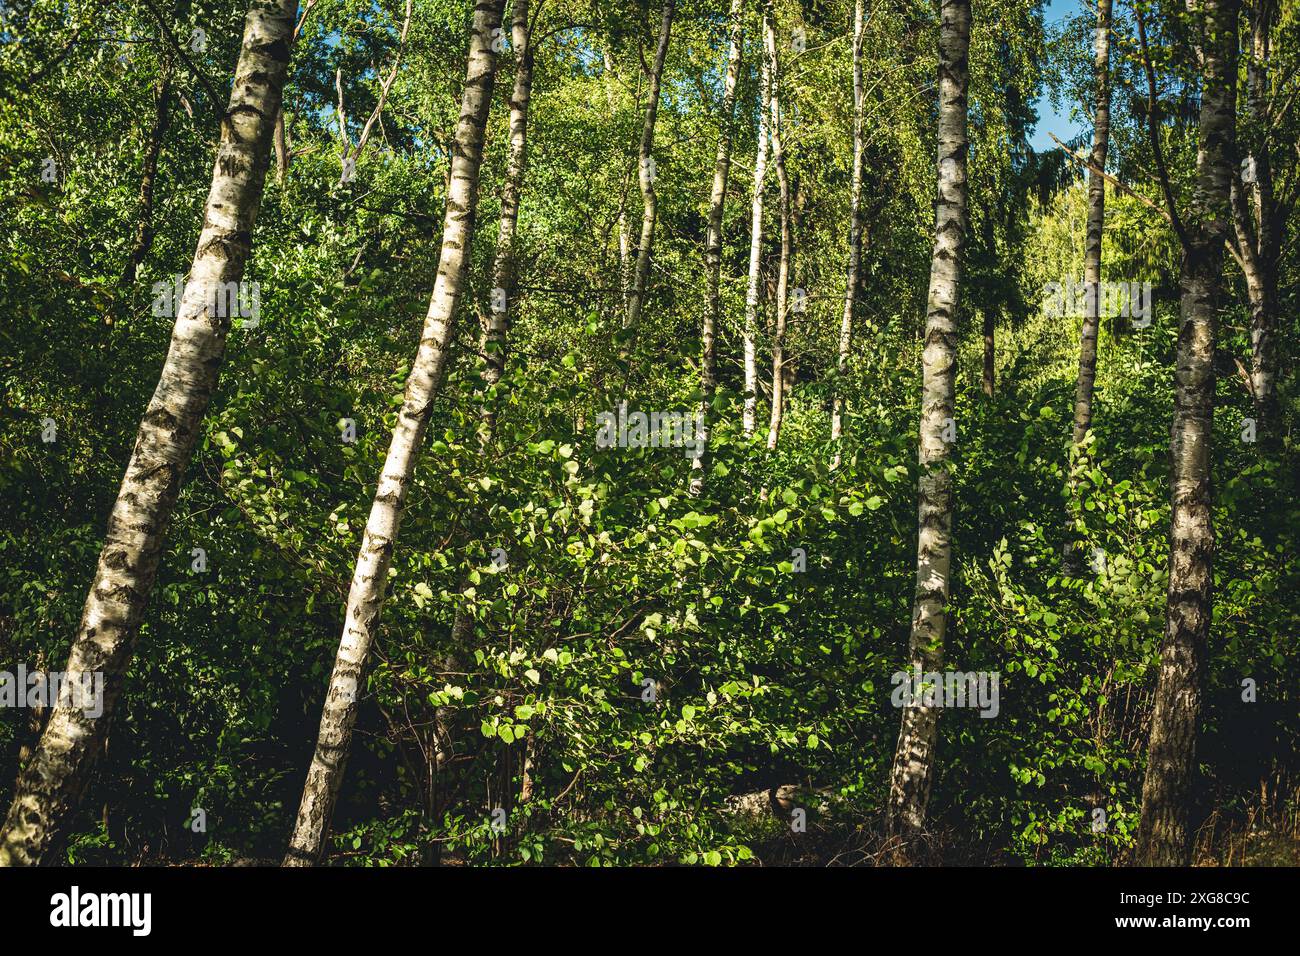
x: 370, y: 578
x: 913, y: 771
x: 1092, y: 242
x: 851, y: 277
x: 1164, y: 835
x: 753, y: 289
x: 783, y: 270
x: 1262, y: 267
x: 51, y: 784
x: 713, y: 253
x: 496, y: 330
x: 496, y: 333
x: 646, y: 175
x: 624, y: 253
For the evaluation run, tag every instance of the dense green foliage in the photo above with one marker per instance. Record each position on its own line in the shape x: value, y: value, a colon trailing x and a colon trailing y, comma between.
x: 762, y: 674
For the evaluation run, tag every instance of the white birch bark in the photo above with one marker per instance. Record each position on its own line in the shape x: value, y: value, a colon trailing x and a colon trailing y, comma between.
x: 646, y: 175
x: 496, y: 329
x: 370, y: 578
x: 753, y: 289
x: 1096, y: 223
x: 1164, y: 836
x: 496, y: 333
x: 787, y: 240
x: 624, y: 250
x: 914, y: 760
x: 713, y: 252
x: 854, y: 265
x: 1261, y: 245
x: 50, y: 786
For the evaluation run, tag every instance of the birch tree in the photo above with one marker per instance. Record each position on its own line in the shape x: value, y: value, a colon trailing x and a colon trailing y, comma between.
x: 854, y: 264
x: 1096, y: 223
x: 646, y: 174
x: 504, y: 264
x: 713, y: 249
x: 753, y: 288
x: 1164, y: 829
x: 913, y: 770
x: 370, y: 577
x: 787, y: 240
x: 51, y: 784
x: 1258, y: 218
x: 624, y: 249
x: 496, y: 324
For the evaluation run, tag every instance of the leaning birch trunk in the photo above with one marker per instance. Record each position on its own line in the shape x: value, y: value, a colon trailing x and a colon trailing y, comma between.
x: 851, y: 280
x: 370, y: 578
x: 713, y: 254
x: 646, y: 176
x: 783, y: 271
x: 1092, y: 243
x: 753, y: 289
x: 913, y: 771
x: 1164, y: 836
x: 51, y: 784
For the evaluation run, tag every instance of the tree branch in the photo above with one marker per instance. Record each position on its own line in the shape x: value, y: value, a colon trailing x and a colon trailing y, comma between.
x: 1154, y: 131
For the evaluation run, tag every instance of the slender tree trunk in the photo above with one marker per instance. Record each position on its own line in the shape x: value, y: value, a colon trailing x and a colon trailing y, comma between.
x: 497, y: 330
x: 281, y: 149
x: 1084, y: 385
x: 526, y: 783
x: 1262, y: 267
x: 51, y: 784
x: 1164, y: 835
x: 144, y: 230
x: 646, y: 175
x: 283, y: 152
x: 753, y: 290
x: 988, y: 374
x: 851, y: 278
x: 713, y: 252
x: 624, y: 252
x: 787, y: 240
x: 913, y: 771
x: 1259, y: 266
x: 370, y: 578
x: 1092, y: 242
